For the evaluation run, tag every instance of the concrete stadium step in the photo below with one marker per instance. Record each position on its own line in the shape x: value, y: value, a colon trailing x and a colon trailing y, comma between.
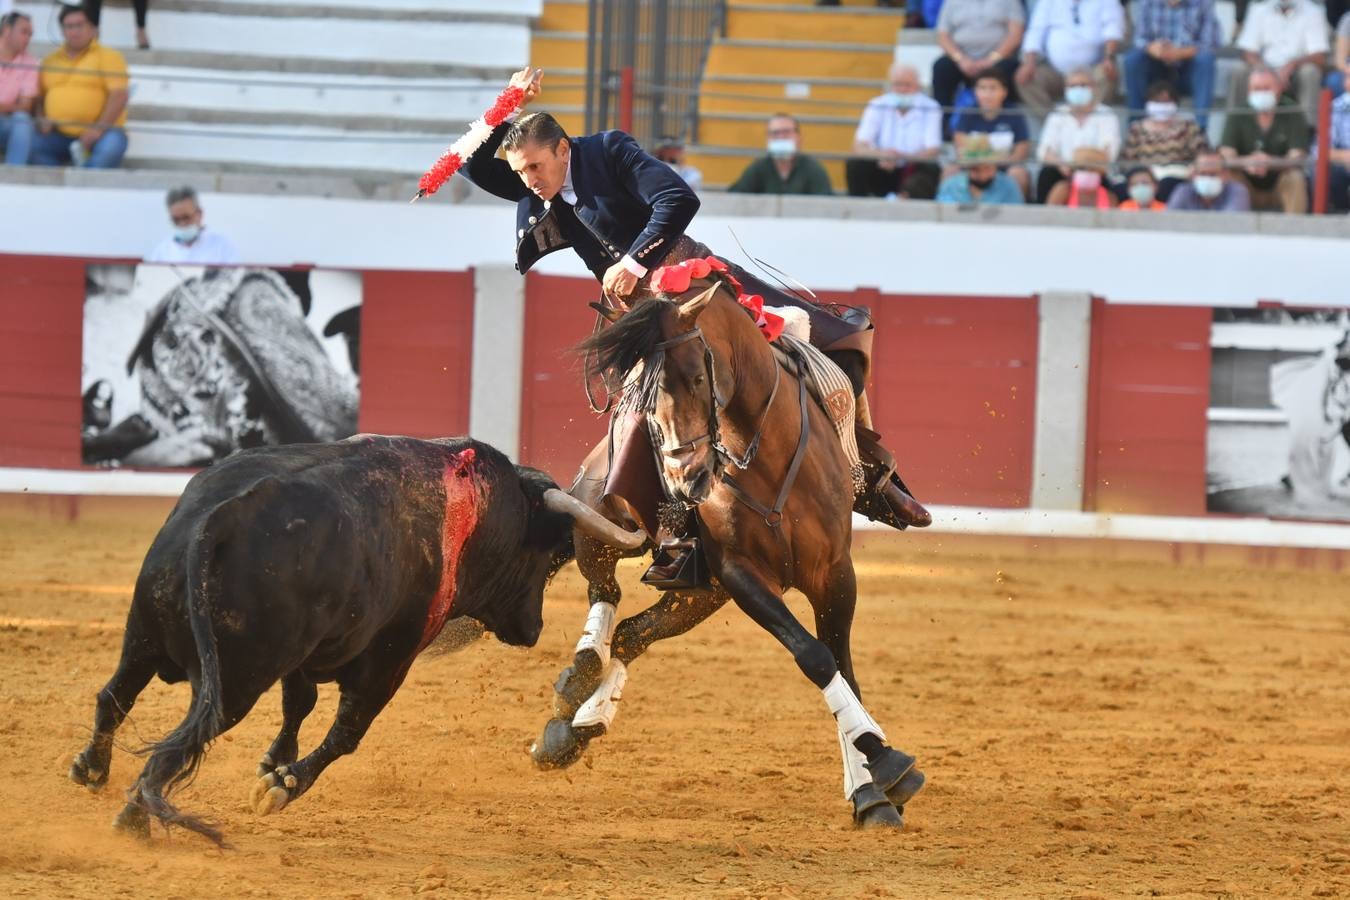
x: 564, y: 15
x: 864, y: 27
x: 806, y: 59
x: 722, y: 166
x: 551, y: 50
x: 470, y: 44
x: 767, y: 95
x: 820, y: 133
x: 808, y: 4
x: 513, y: 11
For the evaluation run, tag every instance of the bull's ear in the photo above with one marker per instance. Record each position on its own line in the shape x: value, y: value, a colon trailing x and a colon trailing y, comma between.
x: 691, y: 308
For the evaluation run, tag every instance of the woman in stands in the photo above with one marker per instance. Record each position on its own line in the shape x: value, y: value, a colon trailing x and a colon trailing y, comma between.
x: 95, y: 9
x: 1163, y: 140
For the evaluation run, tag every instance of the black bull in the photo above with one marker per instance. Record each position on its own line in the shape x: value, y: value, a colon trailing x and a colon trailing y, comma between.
x: 324, y: 562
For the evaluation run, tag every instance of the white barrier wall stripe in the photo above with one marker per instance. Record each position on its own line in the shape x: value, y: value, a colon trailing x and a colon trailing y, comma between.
x: 1035, y: 523
x: 498, y: 357
x: 1063, y: 357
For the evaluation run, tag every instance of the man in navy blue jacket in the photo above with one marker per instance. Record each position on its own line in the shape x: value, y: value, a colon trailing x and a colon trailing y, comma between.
x: 625, y: 212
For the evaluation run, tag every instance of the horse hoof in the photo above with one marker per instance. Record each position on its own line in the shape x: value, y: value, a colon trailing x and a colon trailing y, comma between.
x: 889, y: 768
x: 871, y: 809
x: 133, y: 820
x: 558, y: 747
x: 574, y: 687
x: 81, y: 773
x: 904, y: 790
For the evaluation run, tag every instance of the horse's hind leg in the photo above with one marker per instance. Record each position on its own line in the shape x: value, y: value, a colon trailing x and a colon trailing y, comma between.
x: 579, y: 718
x: 755, y: 596
x: 134, y: 671
x: 298, y: 696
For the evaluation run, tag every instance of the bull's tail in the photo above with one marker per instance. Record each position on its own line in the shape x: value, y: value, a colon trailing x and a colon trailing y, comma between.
x: 174, y: 761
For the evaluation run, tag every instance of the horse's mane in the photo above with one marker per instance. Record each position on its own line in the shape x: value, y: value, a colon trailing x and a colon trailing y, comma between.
x: 615, y: 350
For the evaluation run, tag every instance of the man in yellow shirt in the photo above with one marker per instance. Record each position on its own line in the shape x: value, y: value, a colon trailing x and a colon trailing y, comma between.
x: 84, y: 99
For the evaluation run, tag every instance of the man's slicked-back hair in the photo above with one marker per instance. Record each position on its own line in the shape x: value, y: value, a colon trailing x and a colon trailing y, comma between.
x: 179, y: 194
x: 534, y: 128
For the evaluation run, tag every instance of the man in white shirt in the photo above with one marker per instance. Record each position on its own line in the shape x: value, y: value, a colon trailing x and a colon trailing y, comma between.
x: 190, y: 241
x: 1065, y: 35
x: 897, y: 141
x: 1289, y: 36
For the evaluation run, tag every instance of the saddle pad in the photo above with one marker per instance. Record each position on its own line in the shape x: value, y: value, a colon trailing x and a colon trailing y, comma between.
x: 832, y: 390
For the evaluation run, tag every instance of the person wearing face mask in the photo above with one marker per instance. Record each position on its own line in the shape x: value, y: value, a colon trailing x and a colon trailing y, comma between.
x: 1081, y: 122
x: 897, y: 141
x: 980, y: 182
x: 1289, y: 37
x: 1174, y: 41
x: 670, y: 150
x: 784, y: 170
x: 1209, y: 188
x: 1086, y: 185
x: 1141, y: 191
x: 1065, y: 36
x: 190, y: 241
x: 1164, y: 140
x: 1267, y: 143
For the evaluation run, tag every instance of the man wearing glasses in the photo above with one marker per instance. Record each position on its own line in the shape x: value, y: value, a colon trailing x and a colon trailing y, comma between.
x: 785, y: 170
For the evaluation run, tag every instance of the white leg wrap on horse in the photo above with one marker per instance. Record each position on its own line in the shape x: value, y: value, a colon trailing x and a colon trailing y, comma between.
x: 603, y: 705
x: 855, y: 767
x: 848, y: 710
x: 599, y: 630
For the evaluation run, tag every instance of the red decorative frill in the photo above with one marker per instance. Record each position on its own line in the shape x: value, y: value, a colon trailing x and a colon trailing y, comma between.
x: 675, y: 279
x: 452, y: 159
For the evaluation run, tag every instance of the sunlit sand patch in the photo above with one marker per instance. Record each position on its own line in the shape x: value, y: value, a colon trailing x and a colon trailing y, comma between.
x: 25, y: 622
x: 62, y: 588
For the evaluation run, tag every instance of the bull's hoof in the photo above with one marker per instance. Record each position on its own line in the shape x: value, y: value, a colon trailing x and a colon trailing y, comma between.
x: 558, y: 746
x: 133, y: 820
x: 266, y: 765
x: 871, y: 809
x: 574, y: 688
x: 273, y: 791
x: 904, y: 790
x: 82, y: 772
x: 888, y: 768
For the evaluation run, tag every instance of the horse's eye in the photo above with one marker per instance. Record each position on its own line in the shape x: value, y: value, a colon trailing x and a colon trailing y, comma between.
x: 698, y: 380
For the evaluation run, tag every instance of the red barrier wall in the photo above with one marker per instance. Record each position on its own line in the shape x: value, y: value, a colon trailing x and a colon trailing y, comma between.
x: 1148, y: 397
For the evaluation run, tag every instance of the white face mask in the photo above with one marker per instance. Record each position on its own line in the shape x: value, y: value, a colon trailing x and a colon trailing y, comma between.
x: 1263, y: 101
x: 1162, y: 111
x: 1141, y: 194
x: 1208, y: 186
x: 186, y: 234
x: 1078, y: 95
x: 901, y: 101
x: 782, y: 148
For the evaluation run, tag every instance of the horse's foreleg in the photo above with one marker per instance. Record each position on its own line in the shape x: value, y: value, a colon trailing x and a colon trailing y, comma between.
x: 757, y: 598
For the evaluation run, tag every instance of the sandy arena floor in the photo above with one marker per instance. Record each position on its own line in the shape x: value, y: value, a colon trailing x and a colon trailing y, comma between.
x: 1089, y: 729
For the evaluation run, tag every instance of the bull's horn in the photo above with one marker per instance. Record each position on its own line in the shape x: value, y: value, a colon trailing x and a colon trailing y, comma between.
x: 591, y: 522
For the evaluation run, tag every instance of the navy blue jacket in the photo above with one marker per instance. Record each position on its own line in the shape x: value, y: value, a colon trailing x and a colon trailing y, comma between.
x: 628, y: 202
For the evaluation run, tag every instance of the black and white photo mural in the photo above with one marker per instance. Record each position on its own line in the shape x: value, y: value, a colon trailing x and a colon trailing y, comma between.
x: 1279, y: 413
x: 183, y: 365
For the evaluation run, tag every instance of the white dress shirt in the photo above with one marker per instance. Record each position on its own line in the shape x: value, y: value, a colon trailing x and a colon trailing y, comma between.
x: 211, y: 248
x: 569, y: 196
x: 1072, y: 34
x: 906, y: 131
x: 1278, y: 37
x: 1063, y: 133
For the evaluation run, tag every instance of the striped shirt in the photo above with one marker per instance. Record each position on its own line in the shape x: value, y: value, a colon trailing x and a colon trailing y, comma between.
x: 1190, y: 23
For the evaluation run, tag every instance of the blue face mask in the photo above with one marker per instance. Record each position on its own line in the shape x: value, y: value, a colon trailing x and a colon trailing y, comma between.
x: 1078, y: 95
x: 186, y: 234
x: 901, y: 101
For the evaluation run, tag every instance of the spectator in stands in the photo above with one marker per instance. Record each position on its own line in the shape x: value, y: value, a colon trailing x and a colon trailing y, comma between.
x: 897, y: 142
x: 18, y: 88
x: 95, y: 8
x: 980, y: 182
x: 1175, y: 41
x: 1340, y: 58
x: 1164, y: 140
x: 1142, y: 191
x: 1289, y: 36
x: 1081, y: 122
x: 1340, y: 154
x: 84, y: 99
x: 1086, y: 185
x: 190, y: 241
x: 1065, y: 36
x: 1004, y: 129
x: 975, y: 35
x: 1267, y: 141
x: 670, y: 150
x: 1210, y: 189
x: 785, y: 170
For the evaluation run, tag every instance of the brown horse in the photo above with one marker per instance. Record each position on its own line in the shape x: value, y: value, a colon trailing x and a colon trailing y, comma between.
x: 716, y: 399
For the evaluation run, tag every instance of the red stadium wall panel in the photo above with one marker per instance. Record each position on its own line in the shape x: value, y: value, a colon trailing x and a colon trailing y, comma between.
x: 953, y: 394
x: 41, y: 317
x: 1148, y: 397
x: 416, y: 353
x: 557, y: 428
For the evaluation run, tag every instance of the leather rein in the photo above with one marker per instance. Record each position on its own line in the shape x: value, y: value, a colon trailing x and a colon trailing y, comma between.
x: 773, y: 515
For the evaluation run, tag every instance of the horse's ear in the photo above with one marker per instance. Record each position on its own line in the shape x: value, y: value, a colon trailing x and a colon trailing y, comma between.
x: 690, y: 309
x: 608, y: 313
